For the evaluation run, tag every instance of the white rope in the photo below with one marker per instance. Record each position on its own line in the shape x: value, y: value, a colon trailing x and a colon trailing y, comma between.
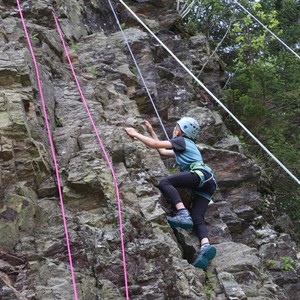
x: 183, y: 13
x: 266, y: 28
x: 213, y: 96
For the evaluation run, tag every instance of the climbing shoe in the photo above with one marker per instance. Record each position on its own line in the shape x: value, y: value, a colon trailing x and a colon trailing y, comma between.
x: 206, y: 254
x: 181, y: 220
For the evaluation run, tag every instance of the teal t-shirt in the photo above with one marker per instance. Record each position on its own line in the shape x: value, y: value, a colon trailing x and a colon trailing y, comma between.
x: 187, y: 153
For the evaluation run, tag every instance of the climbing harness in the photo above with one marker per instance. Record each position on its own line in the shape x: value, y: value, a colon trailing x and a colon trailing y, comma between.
x: 196, y: 168
x: 103, y: 150
x: 52, y: 148
x: 213, y: 96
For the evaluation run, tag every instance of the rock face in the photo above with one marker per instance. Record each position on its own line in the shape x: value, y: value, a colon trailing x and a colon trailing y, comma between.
x: 256, y: 254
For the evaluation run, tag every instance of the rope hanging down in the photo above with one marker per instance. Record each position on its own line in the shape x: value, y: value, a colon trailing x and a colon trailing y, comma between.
x: 103, y: 150
x: 213, y: 96
x: 52, y: 149
x: 138, y: 69
x: 266, y: 28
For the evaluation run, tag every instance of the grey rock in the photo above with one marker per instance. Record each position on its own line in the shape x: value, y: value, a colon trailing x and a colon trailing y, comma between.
x: 254, y: 260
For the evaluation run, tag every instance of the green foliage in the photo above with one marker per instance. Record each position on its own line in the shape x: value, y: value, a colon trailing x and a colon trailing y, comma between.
x: 208, y: 286
x: 35, y: 36
x: 133, y: 70
x: 92, y: 70
x: 271, y: 262
x: 264, y: 90
x: 58, y: 122
x: 208, y: 290
x: 191, y: 28
x: 74, y: 46
x: 288, y: 200
x: 251, y: 38
x: 288, y: 264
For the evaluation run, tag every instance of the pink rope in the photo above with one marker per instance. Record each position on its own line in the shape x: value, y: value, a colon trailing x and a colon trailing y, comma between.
x: 52, y: 149
x: 103, y: 150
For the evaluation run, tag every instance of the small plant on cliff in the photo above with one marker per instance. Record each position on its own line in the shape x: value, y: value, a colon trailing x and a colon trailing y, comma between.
x: 208, y: 287
x: 58, y: 122
x: 92, y: 70
x: 288, y: 264
x: 133, y: 70
x: 208, y: 290
x: 191, y: 28
x: 271, y: 262
x: 35, y: 36
x: 74, y: 46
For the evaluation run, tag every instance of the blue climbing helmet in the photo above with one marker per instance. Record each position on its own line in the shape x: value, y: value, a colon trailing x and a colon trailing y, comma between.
x: 189, y: 126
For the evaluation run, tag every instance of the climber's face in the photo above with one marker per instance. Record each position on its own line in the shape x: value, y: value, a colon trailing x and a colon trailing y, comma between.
x: 176, y: 131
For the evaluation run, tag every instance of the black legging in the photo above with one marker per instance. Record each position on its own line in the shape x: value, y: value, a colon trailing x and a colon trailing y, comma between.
x: 187, y: 179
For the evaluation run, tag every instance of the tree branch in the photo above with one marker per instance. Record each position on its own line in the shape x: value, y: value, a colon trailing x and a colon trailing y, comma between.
x: 214, y: 52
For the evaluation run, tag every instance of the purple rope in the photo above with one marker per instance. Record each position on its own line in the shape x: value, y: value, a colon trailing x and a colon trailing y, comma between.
x: 103, y: 150
x: 52, y: 149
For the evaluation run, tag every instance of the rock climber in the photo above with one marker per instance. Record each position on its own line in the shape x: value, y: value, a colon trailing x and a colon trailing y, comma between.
x: 194, y: 174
